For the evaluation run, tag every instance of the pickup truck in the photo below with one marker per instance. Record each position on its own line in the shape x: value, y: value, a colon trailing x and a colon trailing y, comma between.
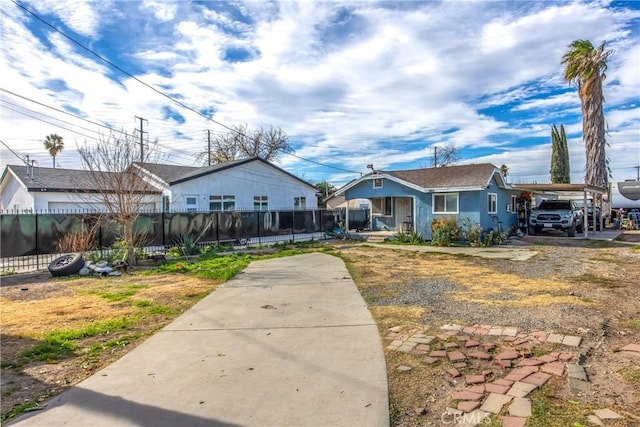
x: 562, y: 215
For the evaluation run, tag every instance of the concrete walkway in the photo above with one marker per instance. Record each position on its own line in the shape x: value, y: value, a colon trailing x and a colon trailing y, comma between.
x: 288, y: 342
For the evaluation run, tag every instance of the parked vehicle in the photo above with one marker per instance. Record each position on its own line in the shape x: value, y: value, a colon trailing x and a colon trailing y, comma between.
x: 562, y: 215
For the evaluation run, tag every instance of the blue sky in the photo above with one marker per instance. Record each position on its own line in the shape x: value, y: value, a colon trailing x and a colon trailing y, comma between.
x: 351, y: 83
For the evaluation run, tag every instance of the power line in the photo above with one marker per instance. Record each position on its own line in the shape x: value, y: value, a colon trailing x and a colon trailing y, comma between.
x: 159, y: 92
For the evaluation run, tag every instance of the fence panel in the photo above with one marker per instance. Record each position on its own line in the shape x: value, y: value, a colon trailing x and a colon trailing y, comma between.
x: 37, y: 235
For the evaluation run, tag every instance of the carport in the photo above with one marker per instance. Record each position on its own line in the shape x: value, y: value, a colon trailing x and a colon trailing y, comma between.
x: 588, y: 191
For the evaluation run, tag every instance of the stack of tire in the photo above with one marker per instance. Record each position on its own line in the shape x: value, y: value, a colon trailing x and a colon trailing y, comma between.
x: 66, y: 265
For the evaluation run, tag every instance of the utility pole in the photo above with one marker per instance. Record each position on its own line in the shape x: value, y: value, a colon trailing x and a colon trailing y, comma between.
x: 637, y: 173
x: 209, y: 147
x: 435, y: 157
x: 142, y: 132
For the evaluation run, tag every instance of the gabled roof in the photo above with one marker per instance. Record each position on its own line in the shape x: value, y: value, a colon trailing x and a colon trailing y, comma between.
x: 172, y: 174
x: 61, y: 180
x: 446, y: 178
x: 474, y: 176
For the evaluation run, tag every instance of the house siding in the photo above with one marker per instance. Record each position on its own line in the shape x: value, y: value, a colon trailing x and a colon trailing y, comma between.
x: 15, y: 194
x: 244, y: 182
x: 472, y: 204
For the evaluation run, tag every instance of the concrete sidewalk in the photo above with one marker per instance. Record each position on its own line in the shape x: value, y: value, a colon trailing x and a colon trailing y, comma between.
x: 288, y: 342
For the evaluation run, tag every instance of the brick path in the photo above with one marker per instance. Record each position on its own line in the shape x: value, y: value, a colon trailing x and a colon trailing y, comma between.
x: 498, y: 366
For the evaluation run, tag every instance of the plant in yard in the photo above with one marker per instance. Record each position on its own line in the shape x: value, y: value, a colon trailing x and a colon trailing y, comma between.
x: 444, y: 231
x: 470, y: 231
x: 412, y: 238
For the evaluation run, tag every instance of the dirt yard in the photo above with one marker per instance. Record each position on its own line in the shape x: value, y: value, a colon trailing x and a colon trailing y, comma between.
x: 581, y: 288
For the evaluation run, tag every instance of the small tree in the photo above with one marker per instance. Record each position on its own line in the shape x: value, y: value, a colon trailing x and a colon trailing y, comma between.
x: 240, y: 143
x: 325, y: 189
x: 560, y: 170
x: 118, y: 187
x: 54, y: 144
x: 444, y: 156
x: 504, y: 170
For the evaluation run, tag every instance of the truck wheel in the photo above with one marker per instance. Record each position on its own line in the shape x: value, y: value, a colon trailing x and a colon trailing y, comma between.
x: 66, y: 265
x: 571, y: 231
x: 532, y: 231
x: 580, y: 228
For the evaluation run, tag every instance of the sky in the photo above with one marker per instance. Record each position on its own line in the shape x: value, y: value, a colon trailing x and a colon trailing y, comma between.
x: 351, y: 83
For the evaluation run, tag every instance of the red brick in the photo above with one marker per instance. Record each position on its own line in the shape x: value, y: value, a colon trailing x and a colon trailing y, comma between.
x: 548, y: 358
x: 417, y: 352
x: 488, y: 346
x: 471, y: 343
x: 463, y: 337
x: 526, y: 346
x: 459, y: 365
x: 496, y: 388
x: 423, y: 347
x: 474, y: 379
x: 438, y: 353
x: 479, y: 355
x: 513, y: 421
x: 502, y: 363
x: 538, y: 378
x: 520, y: 373
x: 469, y: 330
x: 565, y: 357
x: 468, y: 405
x: 466, y: 395
x: 430, y: 360
x: 631, y: 347
x: 554, y: 368
x: 456, y: 356
x: 502, y: 381
x: 520, y: 341
x: 530, y: 362
x: 508, y: 355
x: 453, y: 372
x: 478, y: 388
x: 482, y: 331
x: 451, y: 345
x: 509, y: 339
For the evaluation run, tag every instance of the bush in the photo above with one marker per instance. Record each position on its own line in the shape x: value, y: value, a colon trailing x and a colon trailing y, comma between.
x: 444, y: 231
x: 412, y: 238
x: 471, y: 231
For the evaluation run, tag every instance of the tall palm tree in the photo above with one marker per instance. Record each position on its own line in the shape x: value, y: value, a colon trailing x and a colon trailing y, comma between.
x: 585, y: 65
x: 54, y: 144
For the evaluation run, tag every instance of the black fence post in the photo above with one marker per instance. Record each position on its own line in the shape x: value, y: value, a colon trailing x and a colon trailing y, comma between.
x: 164, y: 237
x: 259, y: 231
x: 218, y: 227
x: 293, y: 226
x: 37, y: 243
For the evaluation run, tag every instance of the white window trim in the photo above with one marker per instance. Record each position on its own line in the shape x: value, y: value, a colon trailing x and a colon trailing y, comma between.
x: 492, y: 203
x: 433, y: 204
x: 190, y: 207
x: 382, y: 212
x: 302, y: 203
x: 262, y: 201
x: 513, y: 206
x: 377, y: 180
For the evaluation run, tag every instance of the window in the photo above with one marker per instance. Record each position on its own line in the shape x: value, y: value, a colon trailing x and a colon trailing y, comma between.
x: 260, y: 203
x: 165, y: 203
x: 492, y: 203
x: 377, y: 183
x: 513, y: 207
x: 299, y: 202
x: 222, y: 203
x: 381, y: 206
x: 445, y: 203
x: 191, y: 203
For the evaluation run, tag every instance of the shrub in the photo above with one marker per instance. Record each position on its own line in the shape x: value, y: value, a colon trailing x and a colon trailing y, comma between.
x: 444, y: 231
x: 471, y: 231
x: 412, y: 238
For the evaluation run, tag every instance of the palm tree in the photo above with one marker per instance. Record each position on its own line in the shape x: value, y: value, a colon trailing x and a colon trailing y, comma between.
x: 585, y: 66
x: 54, y: 144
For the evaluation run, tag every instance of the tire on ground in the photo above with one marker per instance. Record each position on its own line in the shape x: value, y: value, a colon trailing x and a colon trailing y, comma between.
x: 532, y: 231
x: 571, y: 231
x: 66, y: 265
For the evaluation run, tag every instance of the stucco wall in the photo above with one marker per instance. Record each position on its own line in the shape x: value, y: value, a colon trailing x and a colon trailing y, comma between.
x: 13, y: 194
x: 244, y: 182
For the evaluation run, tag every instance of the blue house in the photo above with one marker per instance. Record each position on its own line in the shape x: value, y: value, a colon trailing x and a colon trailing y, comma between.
x: 408, y: 200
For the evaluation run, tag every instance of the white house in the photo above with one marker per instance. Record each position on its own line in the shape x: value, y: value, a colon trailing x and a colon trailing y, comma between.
x: 29, y: 190
x: 247, y: 184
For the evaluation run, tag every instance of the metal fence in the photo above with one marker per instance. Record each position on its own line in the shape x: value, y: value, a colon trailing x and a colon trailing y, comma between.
x: 31, y: 241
